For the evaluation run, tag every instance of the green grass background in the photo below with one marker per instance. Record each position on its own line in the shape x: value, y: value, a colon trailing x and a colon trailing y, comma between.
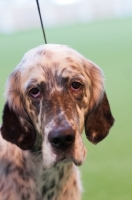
x: 107, y: 171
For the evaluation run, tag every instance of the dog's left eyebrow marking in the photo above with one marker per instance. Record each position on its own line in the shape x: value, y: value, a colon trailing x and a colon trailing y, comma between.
x: 69, y: 59
x: 32, y: 82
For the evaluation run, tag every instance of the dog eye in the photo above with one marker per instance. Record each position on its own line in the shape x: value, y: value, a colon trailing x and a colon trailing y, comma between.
x: 76, y: 85
x: 34, y: 92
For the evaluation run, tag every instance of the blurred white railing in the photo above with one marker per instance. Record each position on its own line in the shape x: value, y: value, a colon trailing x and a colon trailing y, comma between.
x: 22, y: 14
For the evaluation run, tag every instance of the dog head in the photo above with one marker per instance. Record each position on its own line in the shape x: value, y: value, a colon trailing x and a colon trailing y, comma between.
x: 55, y: 92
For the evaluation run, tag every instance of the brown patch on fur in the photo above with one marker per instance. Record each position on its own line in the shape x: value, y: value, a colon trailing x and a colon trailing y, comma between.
x: 48, y: 54
x: 35, y: 106
x: 74, y: 183
x: 61, y: 103
x: 69, y: 59
x: 50, y: 80
x: 74, y: 67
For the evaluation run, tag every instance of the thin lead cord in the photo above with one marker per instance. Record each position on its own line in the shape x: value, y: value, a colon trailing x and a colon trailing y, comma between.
x: 44, y: 35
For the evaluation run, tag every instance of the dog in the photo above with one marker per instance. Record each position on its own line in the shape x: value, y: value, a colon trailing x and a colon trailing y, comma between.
x: 51, y: 97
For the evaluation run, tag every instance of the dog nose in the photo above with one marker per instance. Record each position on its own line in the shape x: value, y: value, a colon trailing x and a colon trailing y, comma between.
x: 62, y: 137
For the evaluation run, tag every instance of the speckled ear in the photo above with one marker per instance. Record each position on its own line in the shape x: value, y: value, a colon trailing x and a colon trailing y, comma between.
x: 99, y: 121
x: 16, y: 129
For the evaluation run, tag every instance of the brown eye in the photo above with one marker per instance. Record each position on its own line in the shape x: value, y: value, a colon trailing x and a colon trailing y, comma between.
x: 76, y: 86
x: 34, y: 92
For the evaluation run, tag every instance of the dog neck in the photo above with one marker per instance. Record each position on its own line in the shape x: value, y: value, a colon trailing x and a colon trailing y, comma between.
x: 58, y: 181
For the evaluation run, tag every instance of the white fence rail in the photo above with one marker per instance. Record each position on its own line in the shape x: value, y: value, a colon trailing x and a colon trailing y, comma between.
x: 22, y: 14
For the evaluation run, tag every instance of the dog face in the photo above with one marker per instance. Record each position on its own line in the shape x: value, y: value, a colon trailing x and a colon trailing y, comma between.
x: 55, y: 92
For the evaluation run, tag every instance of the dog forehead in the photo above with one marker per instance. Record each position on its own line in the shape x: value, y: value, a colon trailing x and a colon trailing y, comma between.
x: 60, y: 60
x: 48, y: 61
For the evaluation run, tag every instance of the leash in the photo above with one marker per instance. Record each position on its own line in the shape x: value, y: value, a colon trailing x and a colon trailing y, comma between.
x: 44, y: 35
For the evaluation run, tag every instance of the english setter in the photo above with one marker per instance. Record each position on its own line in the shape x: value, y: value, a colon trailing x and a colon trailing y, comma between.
x: 51, y: 96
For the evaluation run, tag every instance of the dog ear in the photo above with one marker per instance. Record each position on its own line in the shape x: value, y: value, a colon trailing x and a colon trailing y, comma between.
x: 17, y: 127
x: 17, y: 130
x: 99, y: 121
x: 99, y: 118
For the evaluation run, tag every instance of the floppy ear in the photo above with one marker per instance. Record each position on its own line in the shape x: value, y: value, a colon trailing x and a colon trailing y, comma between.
x: 99, y: 121
x: 99, y: 118
x: 17, y: 130
x: 17, y: 127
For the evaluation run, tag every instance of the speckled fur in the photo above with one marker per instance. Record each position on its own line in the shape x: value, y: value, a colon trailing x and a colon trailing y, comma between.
x: 31, y: 168
x: 22, y: 176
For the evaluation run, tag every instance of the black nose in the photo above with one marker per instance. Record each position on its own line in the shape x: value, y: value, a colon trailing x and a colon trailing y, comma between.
x: 62, y: 137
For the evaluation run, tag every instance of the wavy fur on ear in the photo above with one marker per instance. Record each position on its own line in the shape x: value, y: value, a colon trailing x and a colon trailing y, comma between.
x: 17, y: 127
x: 96, y: 83
x: 13, y: 93
x: 99, y: 118
x: 99, y: 121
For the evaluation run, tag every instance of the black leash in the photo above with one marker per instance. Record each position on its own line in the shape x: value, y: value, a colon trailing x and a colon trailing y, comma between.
x: 44, y: 35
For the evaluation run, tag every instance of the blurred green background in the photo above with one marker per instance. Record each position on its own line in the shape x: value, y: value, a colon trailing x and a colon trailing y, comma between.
x: 107, y: 171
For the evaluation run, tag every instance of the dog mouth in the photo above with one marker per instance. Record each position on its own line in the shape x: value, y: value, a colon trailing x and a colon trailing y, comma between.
x: 57, y: 157
x: 58, y: 160
x: 66, y: 160
x: 68, y: 156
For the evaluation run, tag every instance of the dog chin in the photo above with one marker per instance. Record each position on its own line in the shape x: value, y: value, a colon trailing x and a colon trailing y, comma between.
x: 70, y: 160
x: 60, y: 159
x: 61, y: 162
x: 66, y: 160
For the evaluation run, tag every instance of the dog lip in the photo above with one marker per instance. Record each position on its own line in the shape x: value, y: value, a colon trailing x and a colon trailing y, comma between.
x: 64, y: 160
x: 68, y: 159
x: 77, y: 163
